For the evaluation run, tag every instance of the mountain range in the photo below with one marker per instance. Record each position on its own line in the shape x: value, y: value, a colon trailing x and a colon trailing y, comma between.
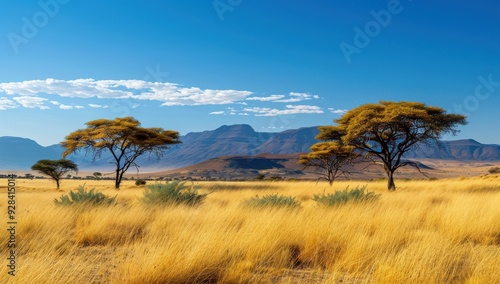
x: 234, y: 140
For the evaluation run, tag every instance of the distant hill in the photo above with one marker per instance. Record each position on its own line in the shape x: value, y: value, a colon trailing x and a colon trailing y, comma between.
x: 463, y: 150
x: 239, y: 167
x: 21, y: 153
x: 228, y: 140
x: 200, y: 146
x: 232, y: 140
x: 270, y: 166
x: 290, y: 141
x: 18, y: 153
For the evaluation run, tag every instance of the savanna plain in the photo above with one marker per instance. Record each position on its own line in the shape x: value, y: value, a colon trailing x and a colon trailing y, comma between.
x: 427, y: 231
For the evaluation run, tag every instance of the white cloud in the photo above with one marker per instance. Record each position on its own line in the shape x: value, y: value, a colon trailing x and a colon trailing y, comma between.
x: 31, y: 102
x: 195, y: 96
x: 169, y: 93
x: 5, y: 103
x: 290, y: 109
x: 66, y: 107
x: 293, y: 97
x: 217, y: 112
x: 298, y: 97
x: 97, y: 106
x: 80, y: 88
x: 337, y: 111
x: 30, y: 94
x: 266, y: 99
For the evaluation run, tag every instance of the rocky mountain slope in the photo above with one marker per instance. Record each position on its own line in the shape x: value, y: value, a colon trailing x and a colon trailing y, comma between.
x: 233, y: 140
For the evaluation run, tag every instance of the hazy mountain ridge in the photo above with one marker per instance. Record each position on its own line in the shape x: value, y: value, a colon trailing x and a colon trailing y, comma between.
x: 21, y: 153
x: 465, y: 150
x: 224, y: 141
x: 290, y: 141
x: 234, y: 140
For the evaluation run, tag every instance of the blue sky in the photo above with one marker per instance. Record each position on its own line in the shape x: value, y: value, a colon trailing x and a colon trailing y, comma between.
x: 196, y: 65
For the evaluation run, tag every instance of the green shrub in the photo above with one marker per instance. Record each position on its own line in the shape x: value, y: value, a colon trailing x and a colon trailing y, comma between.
x: 275, y: 178
x: 140, y: 182
x: 345, y: 196
x: 494, y: 170
x: 83, y: 197
x: 172, y: 193
x: 260, y: 177
x: 272, y: 200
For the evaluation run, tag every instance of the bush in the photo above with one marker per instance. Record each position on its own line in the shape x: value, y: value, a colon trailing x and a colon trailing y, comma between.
x: 83, y: 197
x: 140, y: 182
x: 172, y: 193
x: 275, y: 178
x: 494, y: 170
x: 272, y: 200
x: 344, y: 196
x: 260, y: 177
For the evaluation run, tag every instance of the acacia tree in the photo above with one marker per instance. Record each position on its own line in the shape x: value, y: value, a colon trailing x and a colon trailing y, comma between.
x: 55, y: 168
x: 385, y: 131
x: 123, y: 138
x: 329, y: 159
x: 97, y: 175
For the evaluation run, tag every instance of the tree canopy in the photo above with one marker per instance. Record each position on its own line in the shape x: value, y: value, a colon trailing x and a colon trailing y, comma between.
x: 123, y: 138
x: 97, y: 175
x: 387, y: 130
x: 329, y: 159
x: 55, y: 168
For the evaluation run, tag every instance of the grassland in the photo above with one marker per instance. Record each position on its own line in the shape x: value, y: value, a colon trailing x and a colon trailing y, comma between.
x: 440, y: 231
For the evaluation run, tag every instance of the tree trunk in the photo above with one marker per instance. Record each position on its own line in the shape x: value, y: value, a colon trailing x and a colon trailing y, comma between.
x: 117, y: 179
x: 57, y: 183
x: 391, y: 186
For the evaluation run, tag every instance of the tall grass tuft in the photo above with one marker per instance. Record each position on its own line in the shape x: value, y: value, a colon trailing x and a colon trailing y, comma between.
x: 272, y: 200
x: 84, y: 197
x: 345, y: 196
x: 172, y: 193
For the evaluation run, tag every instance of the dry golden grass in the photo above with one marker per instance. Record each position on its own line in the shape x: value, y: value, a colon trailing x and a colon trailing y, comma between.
x: 443, y: 231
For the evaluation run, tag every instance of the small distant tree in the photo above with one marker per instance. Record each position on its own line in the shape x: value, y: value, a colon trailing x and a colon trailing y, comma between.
x: 384, y: 132
x: 260, y: 177
x: 97, y: 175
x: 494, y: 170
x: 329, y: 159
x: 123, y: 138
x: 55, y: 168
